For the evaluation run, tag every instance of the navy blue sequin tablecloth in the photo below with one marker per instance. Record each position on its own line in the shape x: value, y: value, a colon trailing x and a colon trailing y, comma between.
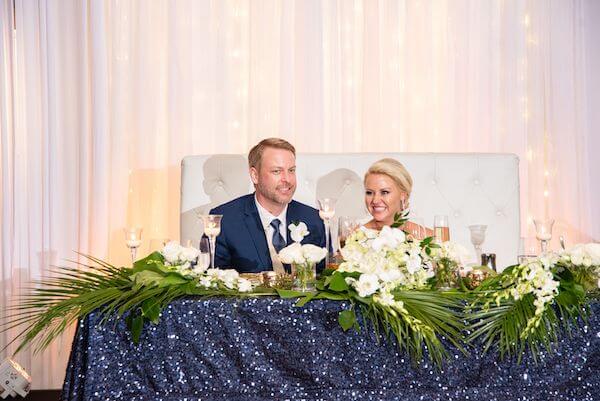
x: 268, y: 349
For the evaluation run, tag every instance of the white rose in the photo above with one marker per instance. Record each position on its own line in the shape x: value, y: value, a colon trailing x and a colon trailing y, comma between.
x: 292, y: 254
x: 189, y: 254
x: 367, y: 284
x: 244, y: 285
x: 171, y: 252
x: 298, y: 232
x: 313, y: 253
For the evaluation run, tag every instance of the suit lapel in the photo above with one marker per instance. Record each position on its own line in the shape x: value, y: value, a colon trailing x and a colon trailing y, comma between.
x: 257, y: 233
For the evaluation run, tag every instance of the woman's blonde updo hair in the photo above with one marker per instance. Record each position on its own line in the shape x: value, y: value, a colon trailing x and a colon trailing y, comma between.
x: 395, y: 170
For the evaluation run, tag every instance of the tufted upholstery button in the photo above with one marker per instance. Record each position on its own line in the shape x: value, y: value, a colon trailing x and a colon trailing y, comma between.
x: 457, y: 214
x: 433, y: 182
x: 220, y: 183
x: 499, y: 213
x: 347, y: 182
x: 306, y: 182
x: 475, y: 182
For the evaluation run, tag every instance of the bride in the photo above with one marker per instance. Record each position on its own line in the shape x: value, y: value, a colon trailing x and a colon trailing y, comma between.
x: 387, y: 189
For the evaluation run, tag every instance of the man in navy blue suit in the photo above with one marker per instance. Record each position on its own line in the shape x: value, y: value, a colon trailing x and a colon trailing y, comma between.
x: 255, y: 227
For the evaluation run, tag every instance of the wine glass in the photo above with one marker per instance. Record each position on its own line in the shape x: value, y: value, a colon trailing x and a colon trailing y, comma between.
x: 543, y: 232
x: 212, y: 228
x: 477, y: 238
x: 133, y: 240
x: 326, y: 212
x: 441, y: 231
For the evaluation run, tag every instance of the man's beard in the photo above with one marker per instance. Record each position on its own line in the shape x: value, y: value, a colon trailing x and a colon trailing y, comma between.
x: 275, y: 196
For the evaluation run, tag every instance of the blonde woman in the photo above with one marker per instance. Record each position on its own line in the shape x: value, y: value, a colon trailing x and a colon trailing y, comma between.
x: 387, y: 190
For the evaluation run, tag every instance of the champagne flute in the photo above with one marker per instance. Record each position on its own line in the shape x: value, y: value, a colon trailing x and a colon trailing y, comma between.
x: 543, y: 232
x: 441, y: 231
x: 133, y: 240
x: 326, y: 212
x: 212, y: 228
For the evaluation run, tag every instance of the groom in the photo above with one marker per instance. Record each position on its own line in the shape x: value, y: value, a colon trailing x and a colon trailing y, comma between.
x: 255, y: 227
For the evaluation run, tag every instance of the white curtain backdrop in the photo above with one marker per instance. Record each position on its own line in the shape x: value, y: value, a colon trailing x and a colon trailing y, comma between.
x: 100, y: 100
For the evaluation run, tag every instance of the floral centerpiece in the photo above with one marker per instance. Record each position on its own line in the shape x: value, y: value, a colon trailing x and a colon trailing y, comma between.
x: 387, y: 276
x: 527, y: 304
x: 302, y: 258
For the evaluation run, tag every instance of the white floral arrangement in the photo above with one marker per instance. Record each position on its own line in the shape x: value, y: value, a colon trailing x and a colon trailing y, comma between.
x: 537, y: 276
x: 183, y: 260
x: 297, y: 253
x: 388, y: 259
x: 585, y: 257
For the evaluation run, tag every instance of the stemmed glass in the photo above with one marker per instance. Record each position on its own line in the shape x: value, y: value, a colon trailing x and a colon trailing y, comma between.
x: 133, y: 240
x: 477, y: 238
x: 543, y: 232
x: 326, y: 212
x: 212, y: 228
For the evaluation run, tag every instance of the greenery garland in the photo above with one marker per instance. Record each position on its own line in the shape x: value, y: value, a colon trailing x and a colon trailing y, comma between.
x: 525, y: 307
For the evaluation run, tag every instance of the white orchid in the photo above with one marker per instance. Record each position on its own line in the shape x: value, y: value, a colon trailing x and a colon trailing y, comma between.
x: 298, y: 231
x: 367, y: 284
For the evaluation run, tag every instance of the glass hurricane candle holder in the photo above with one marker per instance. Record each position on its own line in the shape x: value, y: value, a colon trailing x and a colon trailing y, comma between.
x: 326, y: 212
x: 543, y: 232
x: 133, y: 240
x: 212, y: 228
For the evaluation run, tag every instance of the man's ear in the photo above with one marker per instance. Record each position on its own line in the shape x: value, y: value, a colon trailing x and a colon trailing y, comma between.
x: 254, y: 175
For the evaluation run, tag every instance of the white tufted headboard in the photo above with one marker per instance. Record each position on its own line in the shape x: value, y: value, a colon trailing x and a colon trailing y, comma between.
x: 469, y: 188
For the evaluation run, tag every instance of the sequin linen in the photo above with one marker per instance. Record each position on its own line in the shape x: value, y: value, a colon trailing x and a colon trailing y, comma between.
x: 268, y: 349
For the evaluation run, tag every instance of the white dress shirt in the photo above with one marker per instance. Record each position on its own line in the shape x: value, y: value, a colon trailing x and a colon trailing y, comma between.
x: 266, y: 218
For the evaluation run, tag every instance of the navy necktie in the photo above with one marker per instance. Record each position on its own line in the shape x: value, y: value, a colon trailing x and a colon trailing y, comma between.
x: 278, y: 241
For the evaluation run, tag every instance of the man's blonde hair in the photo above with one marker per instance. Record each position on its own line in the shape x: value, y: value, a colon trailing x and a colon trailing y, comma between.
x: 255, y: 154
x: 395, y: 170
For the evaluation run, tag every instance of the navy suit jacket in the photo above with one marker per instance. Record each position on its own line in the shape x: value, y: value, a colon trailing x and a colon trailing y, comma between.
x: 242, y: 244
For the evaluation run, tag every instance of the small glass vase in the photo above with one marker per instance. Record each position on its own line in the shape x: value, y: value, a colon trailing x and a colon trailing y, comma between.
x: 305, y: 276
x: 446, y: 273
